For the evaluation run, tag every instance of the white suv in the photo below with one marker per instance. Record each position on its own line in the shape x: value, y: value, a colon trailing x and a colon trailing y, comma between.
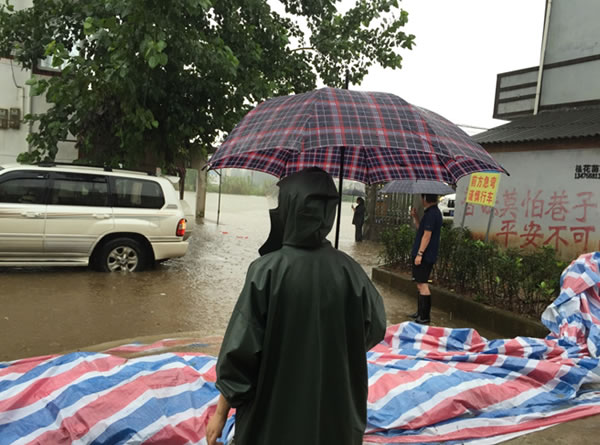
x: 67, y: 215
x: 446, y: 206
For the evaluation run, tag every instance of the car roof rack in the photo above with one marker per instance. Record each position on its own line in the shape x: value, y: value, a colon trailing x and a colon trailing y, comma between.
x: 103, y: 167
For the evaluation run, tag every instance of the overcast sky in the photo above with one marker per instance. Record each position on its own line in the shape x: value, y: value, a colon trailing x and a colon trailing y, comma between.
x: 461, y: 47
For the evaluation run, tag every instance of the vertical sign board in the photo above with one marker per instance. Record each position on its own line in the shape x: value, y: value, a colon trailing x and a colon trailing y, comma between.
x: 482, y: 190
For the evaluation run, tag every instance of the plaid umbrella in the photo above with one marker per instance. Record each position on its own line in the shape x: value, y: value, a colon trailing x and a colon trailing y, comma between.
x: 380, y: 136
x: 416, y: 187
x: 365, y: 136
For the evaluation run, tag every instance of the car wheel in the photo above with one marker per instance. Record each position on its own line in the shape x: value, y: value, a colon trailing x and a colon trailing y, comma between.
x: 122, y: 255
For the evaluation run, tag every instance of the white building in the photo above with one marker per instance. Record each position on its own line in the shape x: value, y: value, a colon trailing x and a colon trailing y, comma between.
x: 551, y: 147
x: 16, y: 102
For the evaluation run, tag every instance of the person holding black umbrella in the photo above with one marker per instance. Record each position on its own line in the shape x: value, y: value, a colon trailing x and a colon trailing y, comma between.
x: 424, y: 253
x: 359, y: 218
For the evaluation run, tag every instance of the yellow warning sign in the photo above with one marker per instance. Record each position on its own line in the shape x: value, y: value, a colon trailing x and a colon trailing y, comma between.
x: 483, y: 188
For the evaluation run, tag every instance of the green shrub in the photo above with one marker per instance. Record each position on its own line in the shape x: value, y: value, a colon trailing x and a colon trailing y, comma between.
x: 397, y: 245
x: 524, y: 282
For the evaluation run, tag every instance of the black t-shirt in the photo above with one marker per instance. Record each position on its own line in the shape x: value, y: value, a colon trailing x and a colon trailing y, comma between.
x: 359, y: 215
x: 432, y: 221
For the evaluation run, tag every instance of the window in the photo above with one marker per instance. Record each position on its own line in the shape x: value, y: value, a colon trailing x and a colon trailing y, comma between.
x: 79, y: 190
x: 138, y: 193
x: 23, y: 190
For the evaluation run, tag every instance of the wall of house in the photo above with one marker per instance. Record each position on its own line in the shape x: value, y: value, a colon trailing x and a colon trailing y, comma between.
x: 551, y: 198
x: 573, y: 31
x: 516, y: 92
x: 573, y: 34
x: 14, y: 93
x: 21, y: 4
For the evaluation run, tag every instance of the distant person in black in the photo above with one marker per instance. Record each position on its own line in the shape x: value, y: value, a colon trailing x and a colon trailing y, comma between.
x: 425, y: 252
x: 359, y: 218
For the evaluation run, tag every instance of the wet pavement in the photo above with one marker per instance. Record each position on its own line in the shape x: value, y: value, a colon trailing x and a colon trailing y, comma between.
x: 52, y: 310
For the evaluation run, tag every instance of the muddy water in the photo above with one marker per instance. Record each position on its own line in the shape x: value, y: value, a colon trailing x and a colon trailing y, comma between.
x: 51, y: 310
x: 44, y: 311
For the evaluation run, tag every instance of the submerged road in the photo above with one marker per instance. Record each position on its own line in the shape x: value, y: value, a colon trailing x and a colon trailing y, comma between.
x: 52, y: 310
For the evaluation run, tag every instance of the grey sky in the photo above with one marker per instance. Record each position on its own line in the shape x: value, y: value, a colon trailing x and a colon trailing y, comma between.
x: 461, y: 47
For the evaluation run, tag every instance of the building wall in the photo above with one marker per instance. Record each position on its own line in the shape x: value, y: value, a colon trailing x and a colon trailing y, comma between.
x: 14, y: 93
x: 13, y: 141
x: 573, y: 34
x: 548, y: 200
x: 573, y: 31
x: 21, y: 4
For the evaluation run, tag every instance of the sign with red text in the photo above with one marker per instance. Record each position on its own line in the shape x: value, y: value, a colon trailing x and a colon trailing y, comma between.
x: 482, y: 189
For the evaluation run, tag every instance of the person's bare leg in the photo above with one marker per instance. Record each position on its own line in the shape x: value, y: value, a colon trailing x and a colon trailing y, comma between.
x: 423, y: 288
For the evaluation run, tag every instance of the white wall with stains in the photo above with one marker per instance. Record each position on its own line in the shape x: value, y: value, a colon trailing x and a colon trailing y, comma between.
x: 551, y: 198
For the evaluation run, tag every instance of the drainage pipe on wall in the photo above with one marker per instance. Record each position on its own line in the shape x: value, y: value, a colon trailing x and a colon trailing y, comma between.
x: 538, y: 89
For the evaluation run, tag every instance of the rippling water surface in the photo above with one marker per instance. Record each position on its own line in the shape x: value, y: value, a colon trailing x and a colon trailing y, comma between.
x: 51, y: 310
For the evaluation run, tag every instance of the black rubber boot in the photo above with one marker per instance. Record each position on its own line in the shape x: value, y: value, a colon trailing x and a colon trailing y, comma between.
x: 419, y: 304
x: 424, y: 309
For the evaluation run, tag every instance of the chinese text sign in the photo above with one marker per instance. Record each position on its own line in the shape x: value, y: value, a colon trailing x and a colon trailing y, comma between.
x: 483, y: 188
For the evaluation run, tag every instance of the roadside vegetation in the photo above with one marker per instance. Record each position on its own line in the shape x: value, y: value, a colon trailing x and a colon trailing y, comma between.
x: 161, y: 82
x: 511, y: 279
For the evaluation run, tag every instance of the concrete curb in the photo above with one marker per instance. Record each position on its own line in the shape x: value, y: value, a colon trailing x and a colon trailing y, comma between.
x: 508, y: 324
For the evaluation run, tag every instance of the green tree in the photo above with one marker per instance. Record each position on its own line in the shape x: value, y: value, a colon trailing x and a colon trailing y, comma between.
x: 156, y: 79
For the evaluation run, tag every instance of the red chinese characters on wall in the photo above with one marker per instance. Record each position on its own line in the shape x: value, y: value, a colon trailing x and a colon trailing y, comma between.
x: 558, y: 206
x: 547, y: 216
x: 531, y: 235
x: 585, y: 204
x: 510, y: 204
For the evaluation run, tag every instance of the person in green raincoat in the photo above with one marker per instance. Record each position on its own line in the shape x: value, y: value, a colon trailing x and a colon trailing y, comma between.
x: 293, y: 359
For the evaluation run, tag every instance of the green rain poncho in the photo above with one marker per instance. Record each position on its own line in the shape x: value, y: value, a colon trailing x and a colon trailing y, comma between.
x: 293, y: 360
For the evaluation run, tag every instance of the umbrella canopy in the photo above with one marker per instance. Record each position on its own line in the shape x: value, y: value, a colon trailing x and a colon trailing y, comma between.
x: 371, y: 137
x: 416, y: 187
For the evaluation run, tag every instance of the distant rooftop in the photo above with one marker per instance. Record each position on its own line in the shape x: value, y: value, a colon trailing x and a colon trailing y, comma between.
x: 547, y: 125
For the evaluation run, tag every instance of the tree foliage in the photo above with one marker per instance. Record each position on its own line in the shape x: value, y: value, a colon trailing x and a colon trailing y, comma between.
x: 156, y: 79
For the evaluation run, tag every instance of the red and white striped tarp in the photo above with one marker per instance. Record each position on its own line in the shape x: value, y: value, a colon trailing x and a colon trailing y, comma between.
x: 426, y: 384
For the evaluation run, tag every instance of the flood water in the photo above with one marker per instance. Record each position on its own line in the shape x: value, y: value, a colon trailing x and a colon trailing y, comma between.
x: 53, y: 310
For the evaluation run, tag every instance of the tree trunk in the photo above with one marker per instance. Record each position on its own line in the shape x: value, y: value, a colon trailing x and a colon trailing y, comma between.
x: 198, y: 163
x: 370, y: 224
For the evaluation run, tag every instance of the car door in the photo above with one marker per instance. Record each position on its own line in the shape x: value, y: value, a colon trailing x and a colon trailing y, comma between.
x: 78, y: 214
x: 137, y: 207
x: 22, y: 214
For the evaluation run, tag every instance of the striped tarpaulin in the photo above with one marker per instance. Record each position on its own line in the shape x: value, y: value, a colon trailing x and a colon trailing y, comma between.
x: 426, y: 384
x: 383, y: 136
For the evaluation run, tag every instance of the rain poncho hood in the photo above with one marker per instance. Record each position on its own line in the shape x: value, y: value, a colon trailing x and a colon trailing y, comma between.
x: 306, y: 211
x: 293, y: 359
